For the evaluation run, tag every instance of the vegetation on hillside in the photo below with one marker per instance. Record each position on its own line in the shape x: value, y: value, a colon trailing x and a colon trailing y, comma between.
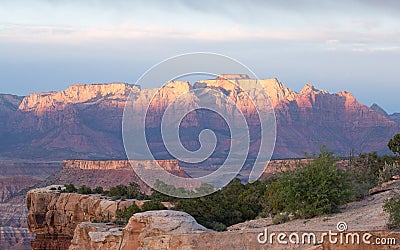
x: 204, y: 189
x: 394, y: 144
x: 233, y: 204
x: 126, y: 213
x: 392, y: 207
x: 369, y: 170
x: 311, y: 189
x: 132, y: 191
x: 319, y: 186
x: 304, y: 191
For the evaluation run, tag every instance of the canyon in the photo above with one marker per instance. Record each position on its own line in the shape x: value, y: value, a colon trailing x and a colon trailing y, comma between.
x: 83, y: 122
x: 17, y: 177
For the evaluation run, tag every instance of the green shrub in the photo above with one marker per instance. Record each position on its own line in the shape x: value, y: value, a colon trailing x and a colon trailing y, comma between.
x: 280, y: 218
x: 367, y: 171
x: 273, y: 197
x: 98, y: 190
x: 84, y: 190
x: 117, y: 191
x: 132, y: 191
x: 70, y: 188
x: 232, y: 204
x: 311, y: 189
x: 157, y: 196
x: 218, y: 226
x: 204, y: 189
x: 394, y: 144
x: 125, y: 214
x: 392, y: 207
x: 152, y: 205
x: 387, y: 172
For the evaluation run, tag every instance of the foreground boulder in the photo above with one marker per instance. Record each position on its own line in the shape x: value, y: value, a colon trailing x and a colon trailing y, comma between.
x: 141, y: 232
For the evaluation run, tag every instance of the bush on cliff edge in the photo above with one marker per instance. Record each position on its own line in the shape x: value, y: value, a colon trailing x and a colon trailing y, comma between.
x: 307, y: 190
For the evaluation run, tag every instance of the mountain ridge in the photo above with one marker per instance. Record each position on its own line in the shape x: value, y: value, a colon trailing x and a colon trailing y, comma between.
x: 84, y: 121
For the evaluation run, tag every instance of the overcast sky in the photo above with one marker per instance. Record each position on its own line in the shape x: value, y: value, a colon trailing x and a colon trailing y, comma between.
x: 335, y: 45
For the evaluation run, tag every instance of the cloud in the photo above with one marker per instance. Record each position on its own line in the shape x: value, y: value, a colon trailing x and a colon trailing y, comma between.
x: 332, y: 41
x: 377, y: 49
x: 66, y: 34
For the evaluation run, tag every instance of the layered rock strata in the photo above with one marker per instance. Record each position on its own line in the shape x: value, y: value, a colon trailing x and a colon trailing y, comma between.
x: 84, y: 121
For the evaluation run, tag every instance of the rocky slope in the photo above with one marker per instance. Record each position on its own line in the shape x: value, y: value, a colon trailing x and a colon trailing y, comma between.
x: 53, y: 216
x: 395, y: 116
x: 16, y: 176
x: 62, y: 221
x: 84, y: 121
x: 8, y: 106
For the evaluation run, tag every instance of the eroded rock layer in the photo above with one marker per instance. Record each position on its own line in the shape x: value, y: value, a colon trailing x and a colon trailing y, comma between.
x: 84, y: 121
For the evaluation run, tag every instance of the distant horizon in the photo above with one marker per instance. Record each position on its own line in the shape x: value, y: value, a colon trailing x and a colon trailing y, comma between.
x: 132, y: 83
x: 335, y: 45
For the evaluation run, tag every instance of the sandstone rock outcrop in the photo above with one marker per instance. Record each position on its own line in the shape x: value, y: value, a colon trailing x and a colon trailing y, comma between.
x: 51, y: 213
x: 140, y: 227
x: 169, y: 165
x: 53, y: 216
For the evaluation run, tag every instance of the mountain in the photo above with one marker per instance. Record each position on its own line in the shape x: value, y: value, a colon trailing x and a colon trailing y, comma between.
x: 395, y: 117
x: 84, y: 121
x: 8, y: 105
x: 378, y: 109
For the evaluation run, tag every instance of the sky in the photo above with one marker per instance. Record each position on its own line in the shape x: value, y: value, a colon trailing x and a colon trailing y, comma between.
x: 337, y: 45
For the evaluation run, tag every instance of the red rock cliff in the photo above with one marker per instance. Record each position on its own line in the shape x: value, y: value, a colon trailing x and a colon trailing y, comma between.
x: 84, y: 121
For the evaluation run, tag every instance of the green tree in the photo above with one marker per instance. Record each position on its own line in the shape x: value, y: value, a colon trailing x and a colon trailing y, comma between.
x: 133, y: 192
x: 84, y: 190
x: 204, y: 189
x: 311, y: 189
x: 98, y: 190
x: 392, y: 207
x: 232, y: 204
x: 70, y: 188
x: 124, y: 215
x: 152, y: 205
x: 131, y: 210
x: 394, y: 144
